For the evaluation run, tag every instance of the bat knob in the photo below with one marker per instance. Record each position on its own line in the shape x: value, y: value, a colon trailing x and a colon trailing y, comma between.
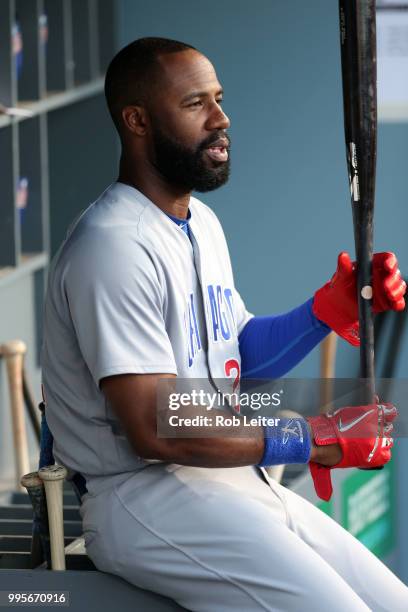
x: 14, y: 347
x: 31, y: 480
x: 52, y: 472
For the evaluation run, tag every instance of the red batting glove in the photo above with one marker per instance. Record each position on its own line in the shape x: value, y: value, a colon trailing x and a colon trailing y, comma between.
x: 336, y: 302
x: 388, y: 286
x: 363, y: 433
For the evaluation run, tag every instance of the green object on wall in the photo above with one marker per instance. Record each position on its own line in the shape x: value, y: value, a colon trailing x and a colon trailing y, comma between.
x: 368, y: 510
x: 327, y: 507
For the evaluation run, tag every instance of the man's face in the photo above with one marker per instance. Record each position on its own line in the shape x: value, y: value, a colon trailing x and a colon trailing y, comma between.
x: 189, y: 146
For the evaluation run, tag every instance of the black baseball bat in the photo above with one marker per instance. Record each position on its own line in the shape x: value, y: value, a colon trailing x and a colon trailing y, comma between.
x: 31, y: 405
x: 40, y: 542
x: 359, y: 75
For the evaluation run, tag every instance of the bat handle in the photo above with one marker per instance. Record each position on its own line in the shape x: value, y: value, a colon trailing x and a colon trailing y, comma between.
x: 53, y: 477
x: 327, y: 370
x: 14, y: 352
x: 366, y: 320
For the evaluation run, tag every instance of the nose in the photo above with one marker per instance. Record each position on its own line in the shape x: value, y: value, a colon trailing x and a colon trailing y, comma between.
x: 218, y: 119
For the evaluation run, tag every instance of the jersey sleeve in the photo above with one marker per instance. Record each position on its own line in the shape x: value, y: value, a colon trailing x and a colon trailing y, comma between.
x: 115, y: 301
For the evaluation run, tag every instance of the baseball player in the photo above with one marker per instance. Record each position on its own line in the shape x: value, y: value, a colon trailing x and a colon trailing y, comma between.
x: 142, y: 290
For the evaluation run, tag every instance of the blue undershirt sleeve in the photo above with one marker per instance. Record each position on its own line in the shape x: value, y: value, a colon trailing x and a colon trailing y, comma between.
x: 271, y: 346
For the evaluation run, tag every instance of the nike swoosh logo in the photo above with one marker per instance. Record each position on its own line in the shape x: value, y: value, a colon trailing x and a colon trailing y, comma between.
x: 342, y: 428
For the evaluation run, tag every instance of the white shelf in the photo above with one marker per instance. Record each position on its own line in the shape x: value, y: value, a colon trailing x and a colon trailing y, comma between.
x: 57, y: 100
x: 28, y: 263
x: 5, y: 120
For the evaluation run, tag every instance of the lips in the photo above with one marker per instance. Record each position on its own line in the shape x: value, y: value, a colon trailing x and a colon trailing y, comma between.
x: 218, y: 151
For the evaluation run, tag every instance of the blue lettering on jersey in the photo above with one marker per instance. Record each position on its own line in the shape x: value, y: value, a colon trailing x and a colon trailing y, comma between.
x: 194, y: 341
x: 220, y: 300
x: 228, y: 297
x: 214, y: 312
x: 226, y: 334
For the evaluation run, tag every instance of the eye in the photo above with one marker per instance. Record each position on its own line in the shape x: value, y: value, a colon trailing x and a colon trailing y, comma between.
x: 198, y: 103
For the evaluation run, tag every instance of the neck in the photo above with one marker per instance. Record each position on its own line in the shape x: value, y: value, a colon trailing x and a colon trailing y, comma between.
x: 144, y: 177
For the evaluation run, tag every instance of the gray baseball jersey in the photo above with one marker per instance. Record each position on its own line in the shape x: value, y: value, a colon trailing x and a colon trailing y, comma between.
x: 128, y: 293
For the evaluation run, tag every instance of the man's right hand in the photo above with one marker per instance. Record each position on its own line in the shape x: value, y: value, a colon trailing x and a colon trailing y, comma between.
x: 360, y: 433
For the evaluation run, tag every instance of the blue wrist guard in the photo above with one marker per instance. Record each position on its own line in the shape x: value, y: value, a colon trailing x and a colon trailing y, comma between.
x: 287, y: 442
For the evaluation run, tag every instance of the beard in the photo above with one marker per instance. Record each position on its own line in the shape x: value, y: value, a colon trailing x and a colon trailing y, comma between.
x: 188, y: 168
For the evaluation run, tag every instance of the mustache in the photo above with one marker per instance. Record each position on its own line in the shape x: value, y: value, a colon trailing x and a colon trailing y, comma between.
x: 213, y: 139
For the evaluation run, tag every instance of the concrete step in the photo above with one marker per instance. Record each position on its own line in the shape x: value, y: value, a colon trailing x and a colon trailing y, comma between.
x: 17, y: 497
x: 22, y: 543
x: 24, y: 527
x: 21, y: 560
x: 25, y: 511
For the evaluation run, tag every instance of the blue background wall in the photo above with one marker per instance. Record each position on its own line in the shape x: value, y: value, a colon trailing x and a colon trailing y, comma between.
x: 286, y: 210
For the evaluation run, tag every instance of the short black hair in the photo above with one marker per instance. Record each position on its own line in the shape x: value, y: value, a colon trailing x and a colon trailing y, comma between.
x: 131, y: 72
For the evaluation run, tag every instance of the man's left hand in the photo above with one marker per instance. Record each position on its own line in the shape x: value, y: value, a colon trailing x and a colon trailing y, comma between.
x: 336, y: 302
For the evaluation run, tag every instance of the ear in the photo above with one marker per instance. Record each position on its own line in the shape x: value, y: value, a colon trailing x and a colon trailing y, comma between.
x: 135, y: 119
